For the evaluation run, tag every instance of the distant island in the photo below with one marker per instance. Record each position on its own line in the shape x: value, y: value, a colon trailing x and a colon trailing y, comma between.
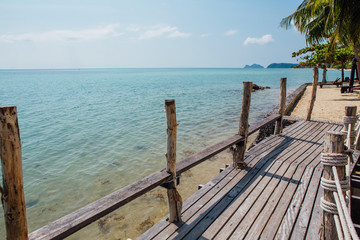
x: 282, y: 65
x: 253, y: 66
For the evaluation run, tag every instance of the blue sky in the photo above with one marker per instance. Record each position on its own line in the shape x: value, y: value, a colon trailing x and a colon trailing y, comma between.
x: 138, y: 33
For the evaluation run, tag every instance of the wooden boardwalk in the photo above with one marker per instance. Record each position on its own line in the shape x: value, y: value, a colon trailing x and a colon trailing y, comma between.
x: 276, y: 196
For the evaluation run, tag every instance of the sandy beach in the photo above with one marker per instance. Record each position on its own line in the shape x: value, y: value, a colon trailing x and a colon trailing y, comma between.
x: 329, y: 104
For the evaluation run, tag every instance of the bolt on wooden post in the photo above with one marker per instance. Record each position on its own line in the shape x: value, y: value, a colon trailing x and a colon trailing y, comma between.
x: 12, y: 191
x: 239, y: 150
x: 334, y: 143
x: 175, y: 200
x: 278, y: 125
x: 313, y: 93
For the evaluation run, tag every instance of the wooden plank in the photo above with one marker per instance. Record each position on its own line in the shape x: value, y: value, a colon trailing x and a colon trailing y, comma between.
x: 266, y: 145
x: 291, y: 215
x: 275, y: 192
x: 76, y: 220
x: 303, y: 219
x: 216, y: 225
x: 211, y: 204
x: 226, y: 200
x: 314, y: 228
x: 270, y: 230
x: 271, y: 204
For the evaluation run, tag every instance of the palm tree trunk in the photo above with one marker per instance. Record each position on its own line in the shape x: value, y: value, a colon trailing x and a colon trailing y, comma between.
x: 356, y: 51
x: 324, y: 75
x: 342, y: 71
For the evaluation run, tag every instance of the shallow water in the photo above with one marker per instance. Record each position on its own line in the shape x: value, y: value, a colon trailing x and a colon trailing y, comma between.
x: 88, y: 132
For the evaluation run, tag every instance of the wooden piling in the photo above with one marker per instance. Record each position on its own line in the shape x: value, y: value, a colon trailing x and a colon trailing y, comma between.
x: 313, y: 93
x: 239, y: 150
x: 278, y: 125
x: 334, y: 143
x: 174, y: 198
x: 12, y: 196
x: 350, y: 111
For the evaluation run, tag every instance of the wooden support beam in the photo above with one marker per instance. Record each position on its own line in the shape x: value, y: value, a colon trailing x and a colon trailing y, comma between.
x: 334, y: 143
x: 278, y: 125
x: 12, y: 197
x: 175, y: 201
x: 239, y: 150
x: 313, y: 93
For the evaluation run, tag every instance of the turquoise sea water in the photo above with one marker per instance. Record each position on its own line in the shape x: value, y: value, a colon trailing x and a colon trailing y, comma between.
x: 88, y: 132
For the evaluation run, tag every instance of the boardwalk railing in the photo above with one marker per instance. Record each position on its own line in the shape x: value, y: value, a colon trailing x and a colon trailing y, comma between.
x: 78, y: 219
x: 336, y: 162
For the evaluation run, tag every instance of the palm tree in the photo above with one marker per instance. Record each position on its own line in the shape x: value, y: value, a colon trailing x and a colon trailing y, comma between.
x: 336, y: 20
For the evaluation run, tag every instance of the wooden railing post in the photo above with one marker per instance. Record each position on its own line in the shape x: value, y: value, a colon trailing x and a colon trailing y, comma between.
x: 334, y: 144
x: 175, y: 201
x: 12, y: 191
x: 349, y: 125
x: 278, y: 125
x: 239, y: 150
x: 313, y: 93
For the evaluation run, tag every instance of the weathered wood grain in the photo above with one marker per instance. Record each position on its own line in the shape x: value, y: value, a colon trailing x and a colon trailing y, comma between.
x: 313, y: 93
x: 12, y: 196
x: 174, y: 198
x: 278, y: 125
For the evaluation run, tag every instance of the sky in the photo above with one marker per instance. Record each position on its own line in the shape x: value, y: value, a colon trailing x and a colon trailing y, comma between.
x: 48, y: 34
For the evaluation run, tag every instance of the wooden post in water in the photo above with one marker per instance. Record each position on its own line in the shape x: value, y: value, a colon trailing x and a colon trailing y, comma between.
x: 175, y: 201
x: 239, y: 150
x: 313, y: 93
x: 334, y: 143
x: 278, y: 125
x: 12, y: 191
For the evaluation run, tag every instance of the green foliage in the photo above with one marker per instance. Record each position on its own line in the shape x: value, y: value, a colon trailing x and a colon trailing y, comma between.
x: 322, y: 55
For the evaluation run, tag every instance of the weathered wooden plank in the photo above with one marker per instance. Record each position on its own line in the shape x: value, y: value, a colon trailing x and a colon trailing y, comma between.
x: 302, y: 221
x: 73, y: 222
x: 270, y: 230
x: 226, y: 200
x: 314, y: 229
x: 275, y: 190
x: 267, y: 144
x: 229, y: 213
x: 267, y: 210
x: 206, y: 206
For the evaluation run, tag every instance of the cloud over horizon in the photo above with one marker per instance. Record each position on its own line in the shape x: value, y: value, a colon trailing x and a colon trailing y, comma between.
x: 64, y: 35
x: 160, y: 31
x: 231, y: 32
x: 267, y: 38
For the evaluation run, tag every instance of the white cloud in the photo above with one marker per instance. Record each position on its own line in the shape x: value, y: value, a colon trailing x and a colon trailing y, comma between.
x: 259, y: 41
x: 177, y: 34
x: 231, y: 32
x: 133, y: 28
x: 64, y: 35
x: 204, y: 35
x: 159, y: 31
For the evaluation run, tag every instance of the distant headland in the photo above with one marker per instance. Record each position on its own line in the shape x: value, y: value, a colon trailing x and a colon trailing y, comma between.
x: 273, y: 65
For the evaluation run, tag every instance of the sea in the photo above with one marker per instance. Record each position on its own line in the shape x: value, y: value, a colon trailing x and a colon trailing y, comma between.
x: 88, y: 132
